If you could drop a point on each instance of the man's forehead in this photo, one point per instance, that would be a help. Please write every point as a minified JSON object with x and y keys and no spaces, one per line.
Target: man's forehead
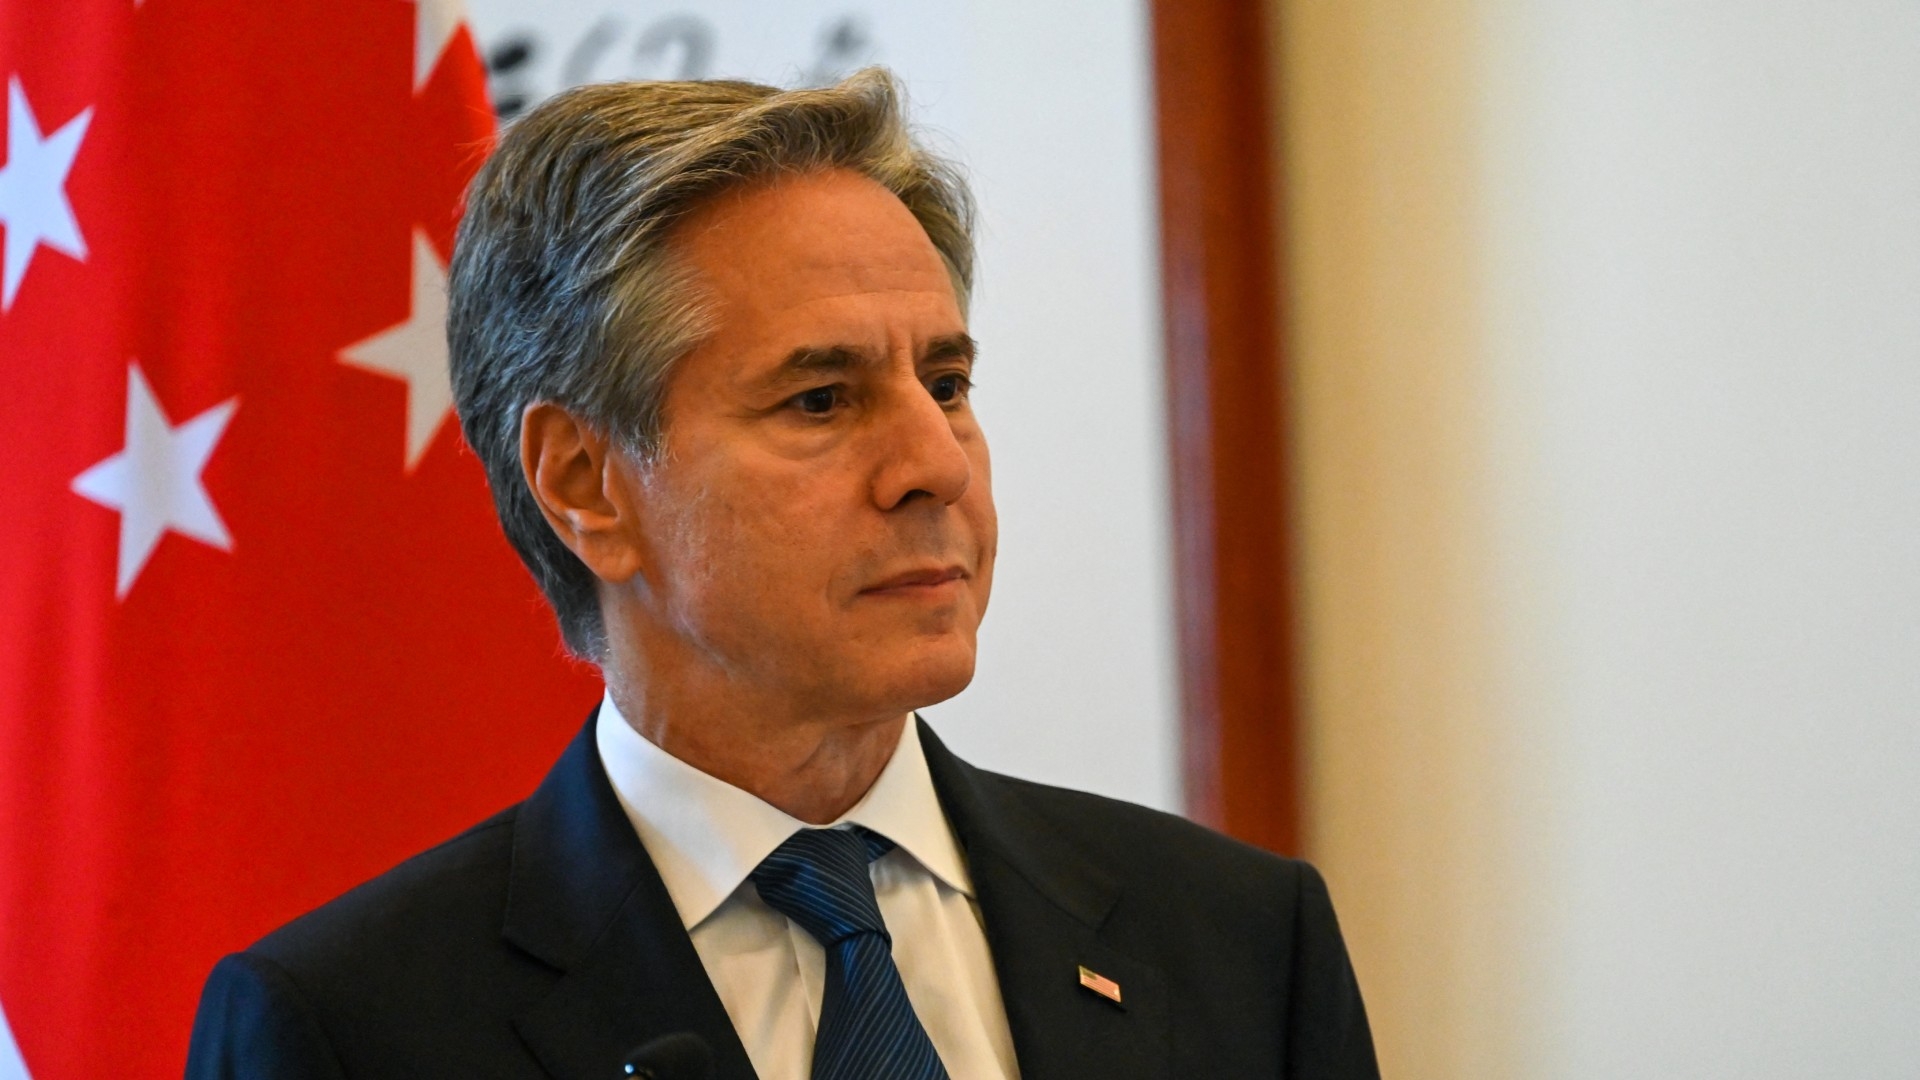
{"x":834,"y":231}
{"x":816,"y":272}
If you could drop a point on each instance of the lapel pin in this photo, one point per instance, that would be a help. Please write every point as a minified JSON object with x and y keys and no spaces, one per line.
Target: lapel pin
{"x":1100,"y":984}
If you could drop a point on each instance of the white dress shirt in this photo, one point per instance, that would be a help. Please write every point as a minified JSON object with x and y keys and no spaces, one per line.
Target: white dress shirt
{"x":705,"y":836}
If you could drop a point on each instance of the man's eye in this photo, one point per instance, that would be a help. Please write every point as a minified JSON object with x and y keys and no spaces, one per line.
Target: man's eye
{"x":948,"y":389}
{"x":818,"y":401}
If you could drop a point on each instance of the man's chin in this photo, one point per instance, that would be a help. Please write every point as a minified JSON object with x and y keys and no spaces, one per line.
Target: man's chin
{"x":932,"y":677}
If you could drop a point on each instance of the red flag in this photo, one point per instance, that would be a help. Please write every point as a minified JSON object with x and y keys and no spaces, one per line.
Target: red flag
{"x":260,"y":637}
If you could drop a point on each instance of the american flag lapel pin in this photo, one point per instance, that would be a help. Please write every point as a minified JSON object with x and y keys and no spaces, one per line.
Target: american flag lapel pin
{"x":1100,"y":984}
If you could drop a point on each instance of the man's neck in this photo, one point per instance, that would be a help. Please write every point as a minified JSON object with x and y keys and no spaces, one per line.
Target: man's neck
{"x":814,"y":769}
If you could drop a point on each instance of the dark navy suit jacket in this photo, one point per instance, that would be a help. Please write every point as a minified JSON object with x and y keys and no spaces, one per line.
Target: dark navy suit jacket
{"x":541,"y":943}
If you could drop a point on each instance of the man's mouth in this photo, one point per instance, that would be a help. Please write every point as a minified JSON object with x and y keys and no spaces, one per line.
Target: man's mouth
{"x":929,"y":577}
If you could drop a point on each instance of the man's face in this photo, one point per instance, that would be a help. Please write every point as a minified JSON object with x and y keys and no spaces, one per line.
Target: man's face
{"x":821,"y":524}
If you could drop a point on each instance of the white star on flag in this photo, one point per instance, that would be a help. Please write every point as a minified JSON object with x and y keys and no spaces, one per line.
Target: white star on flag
{"x":415,"y":351}
{"x":33,"y":199}
{"x":434,"y":22}
{"x":154,"y":481}
{"x":11,"y":1067}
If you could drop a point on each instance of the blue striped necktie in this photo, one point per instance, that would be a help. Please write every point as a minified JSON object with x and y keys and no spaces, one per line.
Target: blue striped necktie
{"x":868,"y":1030}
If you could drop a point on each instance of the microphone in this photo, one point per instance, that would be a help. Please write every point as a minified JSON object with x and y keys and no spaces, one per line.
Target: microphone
{"x":679,"y":1056}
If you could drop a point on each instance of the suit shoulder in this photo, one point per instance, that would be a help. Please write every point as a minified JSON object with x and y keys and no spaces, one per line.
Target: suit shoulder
{"x":1138,"y":841}
{"x":408,"y":975}
{"x":1241,"y":943}
{"x":460,"y":883}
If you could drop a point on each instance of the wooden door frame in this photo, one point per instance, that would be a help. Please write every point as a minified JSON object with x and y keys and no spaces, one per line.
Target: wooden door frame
{"x":1233,"y":569}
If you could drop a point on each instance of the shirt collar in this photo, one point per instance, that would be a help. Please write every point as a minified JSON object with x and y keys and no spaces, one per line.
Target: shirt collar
{"x":705,"y":835}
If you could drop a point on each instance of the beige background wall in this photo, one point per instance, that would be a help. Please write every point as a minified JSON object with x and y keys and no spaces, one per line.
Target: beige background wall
{"x":1606,"y":366}
{"x":1417,"y":789}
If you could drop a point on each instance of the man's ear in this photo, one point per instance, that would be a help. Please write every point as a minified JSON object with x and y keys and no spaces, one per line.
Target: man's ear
{"x":572,"y":469}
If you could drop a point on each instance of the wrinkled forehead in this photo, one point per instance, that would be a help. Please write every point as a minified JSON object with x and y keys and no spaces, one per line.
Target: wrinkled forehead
{"x":798,"y":239}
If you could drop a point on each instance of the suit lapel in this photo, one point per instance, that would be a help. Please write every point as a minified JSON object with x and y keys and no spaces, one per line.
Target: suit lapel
{"x":1044,"y":906}
{"x":585,"y":898}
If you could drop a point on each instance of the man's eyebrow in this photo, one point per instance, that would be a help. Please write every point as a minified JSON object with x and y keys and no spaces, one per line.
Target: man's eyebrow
{"x":950,"y":347}
{"x":809,"y":361}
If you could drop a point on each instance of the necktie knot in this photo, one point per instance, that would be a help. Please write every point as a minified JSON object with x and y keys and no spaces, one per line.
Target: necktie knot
{"x":819,"y":879}
{"x":867,"y":1029}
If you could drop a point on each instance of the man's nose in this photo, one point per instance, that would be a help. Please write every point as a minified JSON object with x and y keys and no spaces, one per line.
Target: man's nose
{"x":917,"y":453}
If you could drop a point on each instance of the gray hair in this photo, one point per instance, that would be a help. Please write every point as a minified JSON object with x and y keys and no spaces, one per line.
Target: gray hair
{"x":565,"y":289}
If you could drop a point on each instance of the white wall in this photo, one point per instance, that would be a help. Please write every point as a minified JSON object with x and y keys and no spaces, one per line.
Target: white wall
{"x":1047,"y":105}
{"x":1612,"y":325}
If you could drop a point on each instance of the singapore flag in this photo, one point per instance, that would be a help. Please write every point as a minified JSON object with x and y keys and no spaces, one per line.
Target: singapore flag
{"x":260,"y":637}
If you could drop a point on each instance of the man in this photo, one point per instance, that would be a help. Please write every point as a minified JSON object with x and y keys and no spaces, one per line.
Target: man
{"x":710,"y":341}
